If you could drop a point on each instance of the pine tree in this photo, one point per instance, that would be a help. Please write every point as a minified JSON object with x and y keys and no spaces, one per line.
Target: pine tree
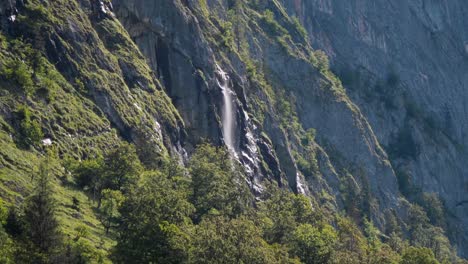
{"x":40,"y":215}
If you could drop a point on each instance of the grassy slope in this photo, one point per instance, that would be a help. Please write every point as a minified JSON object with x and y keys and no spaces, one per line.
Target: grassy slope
{"x":95,"y":57}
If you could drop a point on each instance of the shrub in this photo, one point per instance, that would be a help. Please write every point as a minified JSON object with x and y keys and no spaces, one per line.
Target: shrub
{"x":414,"y":255}
{"x":20,"y":73}
{"x":302,"y":31}
{"x":322,"y":60}
{"x":30,"y":132}
{"x":272,"y":25}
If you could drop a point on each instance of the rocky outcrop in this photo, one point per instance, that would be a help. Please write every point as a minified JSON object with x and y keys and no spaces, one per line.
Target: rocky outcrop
{"x":173,"y":36}
{"x":373,"y":133}
{"x":404,"y":63}
{"x":159,"y":73}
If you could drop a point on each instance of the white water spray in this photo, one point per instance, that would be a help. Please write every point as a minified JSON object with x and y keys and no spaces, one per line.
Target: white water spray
{"x":228,"y":113}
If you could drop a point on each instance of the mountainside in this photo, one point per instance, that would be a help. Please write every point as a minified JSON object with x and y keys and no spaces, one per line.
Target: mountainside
{"x":358,"y":106}
{"x":404,"y":64}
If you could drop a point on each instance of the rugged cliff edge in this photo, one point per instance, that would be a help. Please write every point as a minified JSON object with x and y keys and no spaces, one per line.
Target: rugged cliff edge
{"x":372,"y":131}
{"x":408,"y":81}
{"x":404,"y":64}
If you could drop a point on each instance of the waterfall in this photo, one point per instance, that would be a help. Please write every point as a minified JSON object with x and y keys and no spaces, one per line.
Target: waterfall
{"x":228,"y":112}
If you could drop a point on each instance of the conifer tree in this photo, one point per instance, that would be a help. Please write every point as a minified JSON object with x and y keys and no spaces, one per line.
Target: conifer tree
{"x":40,"y":215}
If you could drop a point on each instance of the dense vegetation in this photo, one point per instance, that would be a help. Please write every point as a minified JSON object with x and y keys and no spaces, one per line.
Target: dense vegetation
{"x":203,"y":214}
{"x":92,"y":197}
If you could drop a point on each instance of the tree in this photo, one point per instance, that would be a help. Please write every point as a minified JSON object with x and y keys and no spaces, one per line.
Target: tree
{"x":42,"y":225}
{"x":88,"y":175}
{"x":216,"y":183}
{"x":6,"y":244}
{"x":218,"y":239}
{"x":121,"y":167}
{"x":351,"y":244}
{"x":418,"y":255}
{"x":109,"y":210}
{"x":384,"y":255}
{"x":312,"y":245}
{"x":286,"y":211}
{"x":153,"y":221}
{"x":118,"y":170}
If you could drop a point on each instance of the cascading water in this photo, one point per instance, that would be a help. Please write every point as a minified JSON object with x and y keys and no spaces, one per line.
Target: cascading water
{"x":242,"y":149}
{"x":228,"y":113}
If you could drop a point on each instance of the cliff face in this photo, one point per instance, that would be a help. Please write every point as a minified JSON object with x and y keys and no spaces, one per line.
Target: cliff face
{"x":182,"y":44}
{"x":404,"y":76}
{"x":404,"y":63}
{"x":384,"y":125}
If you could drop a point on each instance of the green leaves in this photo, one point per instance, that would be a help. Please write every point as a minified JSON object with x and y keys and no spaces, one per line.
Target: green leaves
{"x":219,"y":239}
{"x":414,"y":255}
{"x":313,"y":245}
{"x":217,"y":183}
{"x":109,"y":210}
{"x":152,"y":222}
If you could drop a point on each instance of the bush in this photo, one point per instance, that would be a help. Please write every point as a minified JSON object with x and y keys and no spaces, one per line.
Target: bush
{"x":415,"y":255}
{"x":272,"y":25}
{"x":322,"y":61}
{"x":302,"y":31}
{"x":434,"y":208}
{"x":29,"y":132}
{"x":20,"y":73}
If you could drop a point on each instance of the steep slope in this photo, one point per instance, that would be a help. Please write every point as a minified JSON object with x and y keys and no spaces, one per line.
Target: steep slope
{"x":287,"y":91}
{"x":281,"y":94}
{"x":79,"y":77}
{"x":71,"y":77}
{"x":405,"y":63}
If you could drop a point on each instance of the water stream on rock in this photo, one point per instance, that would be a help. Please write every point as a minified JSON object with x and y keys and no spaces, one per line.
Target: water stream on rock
{"x":228,"y":112}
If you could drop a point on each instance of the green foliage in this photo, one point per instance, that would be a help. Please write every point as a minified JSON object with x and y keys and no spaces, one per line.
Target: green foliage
{"x":20,"y":73}
{"x":152,"y":220}
{"x":35,"y":22}
{"x":204,"y":7}
{"x":216,"y":183}
{"x":220,"y":240}
{"x":88,"y":174}
{"x":286,"y":109}
{"x":6,"y":245}
{"x":302,"y":31}
{"x":307,"y":160}
{"x":3,"y":212}
{"x":312,"y":245}
{"x":321,"y":60}
{"x":118,"y":170}
{"x":109,"y":210}
{"x":121,"y":167}
{"x":82,"y":251}
{"x":414,"y":255}
{"x":434,"y":208}
{"x":272,"y":25}
{"x":351,"y":245}
{"x":227,"y":34}
{"x":29,"y":131}
{"x":40,"y":216}
{"x":285,"y":212}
